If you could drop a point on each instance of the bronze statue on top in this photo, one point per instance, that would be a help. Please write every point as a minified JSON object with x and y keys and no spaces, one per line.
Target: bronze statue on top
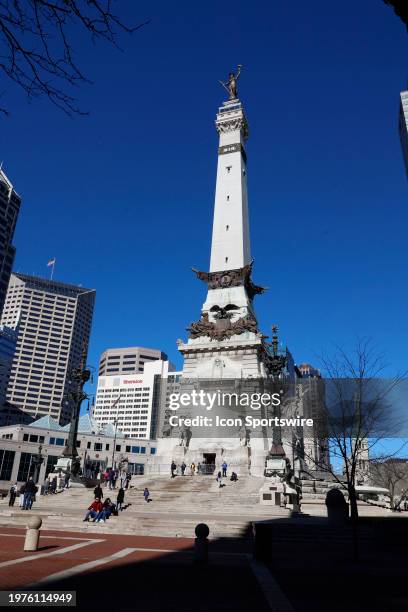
{"x":231,"y":85}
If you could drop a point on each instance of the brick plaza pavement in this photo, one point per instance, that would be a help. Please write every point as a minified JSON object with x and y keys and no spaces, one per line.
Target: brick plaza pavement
{"x":128,"y":572}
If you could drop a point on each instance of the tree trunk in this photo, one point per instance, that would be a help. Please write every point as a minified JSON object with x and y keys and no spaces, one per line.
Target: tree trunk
{"x":354,"y":519}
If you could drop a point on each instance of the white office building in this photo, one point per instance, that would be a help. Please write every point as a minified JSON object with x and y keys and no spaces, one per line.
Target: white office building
{"x":134,"y":403}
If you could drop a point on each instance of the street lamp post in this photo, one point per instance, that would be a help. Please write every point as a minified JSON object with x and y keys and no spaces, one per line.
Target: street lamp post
{"x":114,"y":443}
{"x":115,"y":403}
{"x":37,"y":460}
{"x":79,"y":376}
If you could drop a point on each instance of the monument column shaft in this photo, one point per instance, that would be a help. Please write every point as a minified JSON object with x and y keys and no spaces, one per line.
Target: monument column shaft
{"x":230,"y":247}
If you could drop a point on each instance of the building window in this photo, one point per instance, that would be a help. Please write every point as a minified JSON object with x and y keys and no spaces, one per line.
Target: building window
{"x":136,"y":449}
{"x":128,"y":449}
{"x":97,"y":446}
{"x":26,"y":467}
{"x":152,"y":451}
{"x":6,"y":464}
{"x":88,"y":445}
{"x":143,"y":450}
{"x":57,"y":441}
{"x":118,"y":448}
{"x":106,"y":446}
{"x":51,"y":463}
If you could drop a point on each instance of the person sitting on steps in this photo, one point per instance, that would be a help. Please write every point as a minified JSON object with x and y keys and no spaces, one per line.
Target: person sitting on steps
{"x":94,"y":509}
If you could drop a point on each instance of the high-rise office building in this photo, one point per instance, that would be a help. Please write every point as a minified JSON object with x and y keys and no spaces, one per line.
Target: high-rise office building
{"x":127,"y":360}
{"x":8,"y":341}
{"x":53,"y":323}
{"x":403,"y":126}
{"x":9,"y":207}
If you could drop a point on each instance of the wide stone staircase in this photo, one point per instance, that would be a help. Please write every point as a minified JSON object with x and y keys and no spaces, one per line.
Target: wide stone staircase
{"x":177,"y":506}
{"x":315,"y":491}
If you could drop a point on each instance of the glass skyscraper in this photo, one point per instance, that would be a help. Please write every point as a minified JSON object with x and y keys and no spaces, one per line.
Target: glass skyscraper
{"x":403,"y":126}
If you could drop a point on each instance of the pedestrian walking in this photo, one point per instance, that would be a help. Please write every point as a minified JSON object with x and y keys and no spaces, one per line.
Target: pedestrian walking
{"x":173,"y":469}
{"x":115,"y":477}
{"x":12,"y":494}
{"x":146,"y":494}
{"x":21,"y":498}
{"x":192,"y":468}
{"x":128,"y":479}
{"x":224,"y":469}
{"x":183,"y":468}
{"x":111,"y":479}
{"x":66,"y":480}
{"x":219,"y":479}
{"x":29,"y":493}
{"x":53,"y":486}
{"x":98,"y":492}
{"x":120,"y":500}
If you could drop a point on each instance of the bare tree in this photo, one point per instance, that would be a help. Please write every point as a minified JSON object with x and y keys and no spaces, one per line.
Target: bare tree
{"x":356,"y":414}
{"x":392,"y":474}
{"x":37,"y":44}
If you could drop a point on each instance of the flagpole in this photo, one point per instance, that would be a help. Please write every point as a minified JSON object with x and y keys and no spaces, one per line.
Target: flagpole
{"x":52,"y":269}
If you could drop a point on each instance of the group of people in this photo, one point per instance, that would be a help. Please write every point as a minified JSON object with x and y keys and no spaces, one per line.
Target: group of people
{"x":176,"y":470}
{"x":223,"y":474}
{"x":108,"y":507}
{"x":91,"y":469}
{"x":111,"y":476}
{"x":27,"y":494}
{"x":100,"y":511}
{"x":181,"y":470}
{"x":50,"y":485}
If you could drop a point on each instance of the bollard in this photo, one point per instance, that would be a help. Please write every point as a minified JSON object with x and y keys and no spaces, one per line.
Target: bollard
{"x":201,"y":544}
{"x":337,"y":508}
{"x":33,"y":533}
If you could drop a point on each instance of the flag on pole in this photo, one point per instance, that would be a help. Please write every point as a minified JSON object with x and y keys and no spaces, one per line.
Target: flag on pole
{"x":51,"y":264}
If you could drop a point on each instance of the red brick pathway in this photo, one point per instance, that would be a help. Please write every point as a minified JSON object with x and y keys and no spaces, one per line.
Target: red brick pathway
{"x":156,"y":578}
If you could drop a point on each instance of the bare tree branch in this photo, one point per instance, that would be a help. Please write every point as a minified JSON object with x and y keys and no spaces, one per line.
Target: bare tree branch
{"x":37,"y":44}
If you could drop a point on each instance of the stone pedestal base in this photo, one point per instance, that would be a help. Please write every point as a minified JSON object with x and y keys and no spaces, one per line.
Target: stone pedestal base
{"x":239,"y":458}
{"x":271,"y":494}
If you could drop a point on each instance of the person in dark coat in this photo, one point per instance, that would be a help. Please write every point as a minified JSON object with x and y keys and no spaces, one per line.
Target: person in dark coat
{"x":29,"y":493}
{"x":98,"y":492}
{"x":12,"y":494}
{"x":120,"y":500}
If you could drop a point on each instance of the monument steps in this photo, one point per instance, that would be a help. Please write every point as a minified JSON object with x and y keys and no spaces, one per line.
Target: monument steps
{"x":177,"y":506}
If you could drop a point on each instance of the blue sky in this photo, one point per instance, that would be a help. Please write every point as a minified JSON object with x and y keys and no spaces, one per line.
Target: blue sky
{"x":123,"y":198}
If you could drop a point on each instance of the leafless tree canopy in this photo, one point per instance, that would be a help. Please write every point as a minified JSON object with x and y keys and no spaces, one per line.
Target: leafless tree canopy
{"x":357,"y":412}
{"x":392,"y":474}
{"x":37,"y":44}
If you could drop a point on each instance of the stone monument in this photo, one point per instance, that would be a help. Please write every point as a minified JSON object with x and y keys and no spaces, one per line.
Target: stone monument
{"x":225,"y":343}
